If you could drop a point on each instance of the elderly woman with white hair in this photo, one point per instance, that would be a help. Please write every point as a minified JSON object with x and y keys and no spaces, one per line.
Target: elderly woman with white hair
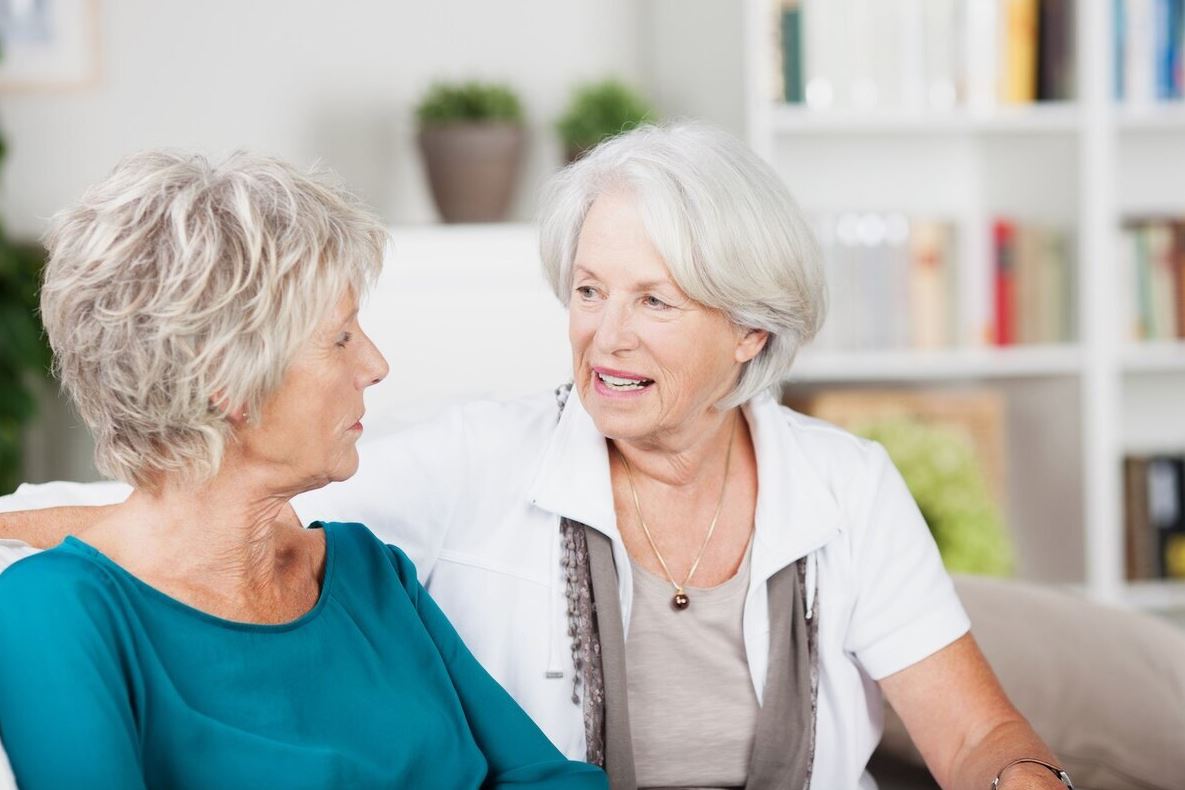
{"x":205,"y":320}
{"x":677,"y":577}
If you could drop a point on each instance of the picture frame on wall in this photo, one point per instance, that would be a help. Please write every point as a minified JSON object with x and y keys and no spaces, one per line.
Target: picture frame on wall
{"x":48,"y":44}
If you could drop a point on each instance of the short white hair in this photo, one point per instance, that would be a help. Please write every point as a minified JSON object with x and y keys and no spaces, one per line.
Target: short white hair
{"x":177,"y":290}
{"x":730,"y":233}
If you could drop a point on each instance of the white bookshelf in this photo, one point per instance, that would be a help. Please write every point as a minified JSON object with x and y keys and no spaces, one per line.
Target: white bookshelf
{"x":1074,"y":410}
{"x":1059,"y":118}
{"x":937,"y":366}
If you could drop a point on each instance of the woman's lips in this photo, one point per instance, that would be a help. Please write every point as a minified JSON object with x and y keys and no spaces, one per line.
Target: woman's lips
{"x":626,"y":392}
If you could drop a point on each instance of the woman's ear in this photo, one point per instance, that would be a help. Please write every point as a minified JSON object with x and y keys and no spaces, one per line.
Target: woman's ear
{"x":235,"y":416}
{"x":750,"y":344}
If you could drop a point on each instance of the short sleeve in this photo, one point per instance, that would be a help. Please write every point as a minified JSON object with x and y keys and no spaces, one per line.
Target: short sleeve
{"x":405,"y":489}
{"x":66,"y":711}
{"x":905,"y":607}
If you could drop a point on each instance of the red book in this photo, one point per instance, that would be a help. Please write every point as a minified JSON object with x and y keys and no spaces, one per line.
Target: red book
{"x":1004,"y":236}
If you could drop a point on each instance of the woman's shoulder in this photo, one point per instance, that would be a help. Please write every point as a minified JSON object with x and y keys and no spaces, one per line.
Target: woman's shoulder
{"x":356,"y":547}
{"x":62,"y":568}
{"x":62,"y":585}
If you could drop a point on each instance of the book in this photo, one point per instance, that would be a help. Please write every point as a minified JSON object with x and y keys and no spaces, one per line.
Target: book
{"x":1004,"y":233}
{"x":1179,"y":275}
{"x":982,"y":19}
{"x":1140,"y":549}
{"x":943,"y":47}
{"x":931,"y":285}
{"x":791,"y":50}
{"x":1055,"y":50}
{"x":1166,"y":512}
{"x":1162,"y":266}
{"x":1018,"y":76}
{"x":1139,"y":48}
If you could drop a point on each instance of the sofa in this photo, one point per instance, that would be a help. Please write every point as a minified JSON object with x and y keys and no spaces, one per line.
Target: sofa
{"x":1104,"y":686}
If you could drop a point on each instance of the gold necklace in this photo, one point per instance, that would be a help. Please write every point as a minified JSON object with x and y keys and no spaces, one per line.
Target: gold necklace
{"x":680,"y":600}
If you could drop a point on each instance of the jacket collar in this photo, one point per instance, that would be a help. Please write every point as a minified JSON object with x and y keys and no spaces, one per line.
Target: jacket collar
{"x":796,"y":511}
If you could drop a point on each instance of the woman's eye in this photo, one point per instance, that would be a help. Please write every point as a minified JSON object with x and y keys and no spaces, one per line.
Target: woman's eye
{"x":585,"y":292}
{"x":344,"y":339}
{"x":655,"y":302}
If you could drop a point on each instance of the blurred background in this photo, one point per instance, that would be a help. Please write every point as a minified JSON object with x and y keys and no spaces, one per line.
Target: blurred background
{"x":998,"y":188}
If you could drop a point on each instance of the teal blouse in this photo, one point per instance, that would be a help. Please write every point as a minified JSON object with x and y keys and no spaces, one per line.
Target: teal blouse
{"x":105,"y":682}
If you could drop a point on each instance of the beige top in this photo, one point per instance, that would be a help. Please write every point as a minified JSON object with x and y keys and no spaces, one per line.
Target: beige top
{"x":692,"y":709}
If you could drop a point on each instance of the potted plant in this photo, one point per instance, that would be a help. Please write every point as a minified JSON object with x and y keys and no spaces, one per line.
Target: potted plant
{"x":599,"y":110}
{"x":944,"y":476}
{"x":471,"y":135}
{"x":24,"y":354}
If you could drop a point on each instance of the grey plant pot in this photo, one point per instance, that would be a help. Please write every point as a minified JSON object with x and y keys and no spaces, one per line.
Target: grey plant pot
{"x":472,"y":168}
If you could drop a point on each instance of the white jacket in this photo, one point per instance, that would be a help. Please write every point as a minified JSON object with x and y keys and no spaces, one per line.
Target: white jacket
{"x":475,"y":497}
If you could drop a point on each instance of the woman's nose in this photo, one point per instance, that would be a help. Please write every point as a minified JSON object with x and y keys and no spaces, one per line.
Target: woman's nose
{"x":376,"y":365}
{"x":615,"y":332}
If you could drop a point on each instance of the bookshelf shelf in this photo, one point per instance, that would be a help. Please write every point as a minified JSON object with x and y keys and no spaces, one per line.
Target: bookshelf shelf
{"x":1046,"y":118}
{"x":943,"y":365}
{"x":1162,"y":357}
{"x":1157,"y":117}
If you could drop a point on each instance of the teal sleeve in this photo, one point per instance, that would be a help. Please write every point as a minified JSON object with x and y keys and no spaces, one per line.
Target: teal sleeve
{"x":66,"y":711}
{"x":518,"y":753}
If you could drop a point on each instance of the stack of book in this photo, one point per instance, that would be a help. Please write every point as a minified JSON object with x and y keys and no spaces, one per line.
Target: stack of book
{"x":1153,"y":261}
{"x":923,"y":54}
{"x":1149,"y":37}
{"x":1033,"y":293}
{"x":891,"y":280}
{"x":1154,"y":524}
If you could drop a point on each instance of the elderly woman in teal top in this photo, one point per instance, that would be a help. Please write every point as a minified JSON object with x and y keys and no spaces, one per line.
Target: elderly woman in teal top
{"x":205,"y":320}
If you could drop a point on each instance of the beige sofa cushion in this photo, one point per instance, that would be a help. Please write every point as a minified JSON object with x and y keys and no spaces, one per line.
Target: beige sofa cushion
{"x":1104,"y":687}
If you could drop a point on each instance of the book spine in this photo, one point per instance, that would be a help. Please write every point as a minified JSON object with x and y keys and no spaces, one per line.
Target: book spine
{"x":982,"y":34}
{"x":1019,"y":80}
{"x":1164,"y":46}
{"x":1004,"y":235}
{"x":1162,"y":265}
{"x":1178,"y":273}
{"x":1140,"y":550}
{"x":1054,"y":47}
{"x":926,"y":287}
{"x":1119,"y":66}
{"x":1129,"y":281}
{"x":792,"y":52}
{"x":1139,"y":52}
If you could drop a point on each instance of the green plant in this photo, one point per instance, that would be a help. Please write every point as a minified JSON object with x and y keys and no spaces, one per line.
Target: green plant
{"x":472,"y":102}
{"x":942,"y":472}
{"x":600,"y":110}
{"x":24,"y":354}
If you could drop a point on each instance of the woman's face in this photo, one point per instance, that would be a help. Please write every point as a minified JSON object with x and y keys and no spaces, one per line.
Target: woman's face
{"x":647,"y":360}
{"x":311,"y":424}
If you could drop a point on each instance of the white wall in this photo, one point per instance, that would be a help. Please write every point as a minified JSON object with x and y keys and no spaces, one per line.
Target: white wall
{"x":304,"y":79}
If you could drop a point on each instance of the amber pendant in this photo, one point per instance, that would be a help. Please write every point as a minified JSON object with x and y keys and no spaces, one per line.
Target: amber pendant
{"x":680,"y":601}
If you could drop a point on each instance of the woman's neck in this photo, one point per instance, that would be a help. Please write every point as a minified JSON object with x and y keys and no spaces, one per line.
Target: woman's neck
{"x":232,"y":536}
{"x":691,"y":457}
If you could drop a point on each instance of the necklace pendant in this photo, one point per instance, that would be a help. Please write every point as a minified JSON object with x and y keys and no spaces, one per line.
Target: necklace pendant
{"x":680,"y":601}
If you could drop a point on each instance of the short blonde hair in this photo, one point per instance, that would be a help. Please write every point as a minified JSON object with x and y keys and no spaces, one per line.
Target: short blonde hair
{"x":724,"y":223}
{"x":176,"y":290}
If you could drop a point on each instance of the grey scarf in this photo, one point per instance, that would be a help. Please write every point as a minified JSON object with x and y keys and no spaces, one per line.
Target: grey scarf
{"x":784,"y":744}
